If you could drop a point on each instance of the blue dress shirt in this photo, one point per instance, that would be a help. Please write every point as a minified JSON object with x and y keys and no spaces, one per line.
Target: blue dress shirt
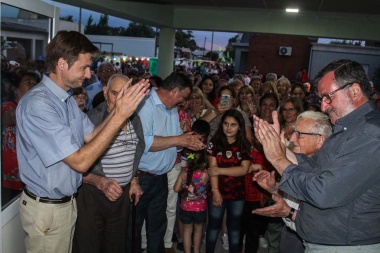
{"x":50,"y":127}
{"x":158,"y":121}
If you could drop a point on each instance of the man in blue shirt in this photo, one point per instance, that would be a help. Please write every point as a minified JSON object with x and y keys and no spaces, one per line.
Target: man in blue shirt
{"x":56,"y":142}
{"x":338,"y":187}
{"x":163,"y":136}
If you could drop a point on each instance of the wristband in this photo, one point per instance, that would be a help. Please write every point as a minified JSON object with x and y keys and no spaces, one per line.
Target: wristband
{"x":216,"y":188}
{"x":291,"y":213}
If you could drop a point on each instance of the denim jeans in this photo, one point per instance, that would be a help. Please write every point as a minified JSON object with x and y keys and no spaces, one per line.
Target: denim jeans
{"x":215,"y":218}
{"x":152,"y":209}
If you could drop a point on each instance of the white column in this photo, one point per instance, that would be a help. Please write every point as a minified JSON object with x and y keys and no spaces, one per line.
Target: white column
{"x":166,"y":52}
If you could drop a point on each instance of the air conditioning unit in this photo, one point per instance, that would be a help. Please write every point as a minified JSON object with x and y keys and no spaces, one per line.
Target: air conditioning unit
{"x":287,"y":51}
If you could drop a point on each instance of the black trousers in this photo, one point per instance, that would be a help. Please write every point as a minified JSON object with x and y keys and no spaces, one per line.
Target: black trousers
{"x":290,"y":241}
{"x":152,"y":209}
{"x":252,"y":226}
{"x":102,"y":224}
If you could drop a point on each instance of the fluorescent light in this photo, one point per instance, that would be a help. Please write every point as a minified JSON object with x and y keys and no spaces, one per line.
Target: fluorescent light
{"x":291,"y":10}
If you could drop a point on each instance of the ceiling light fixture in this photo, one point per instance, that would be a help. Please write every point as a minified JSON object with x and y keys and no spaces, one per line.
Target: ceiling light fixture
{"x":291,"y":10}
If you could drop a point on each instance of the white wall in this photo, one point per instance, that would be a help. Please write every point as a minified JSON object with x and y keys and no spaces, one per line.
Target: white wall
{"x":12,"y":233}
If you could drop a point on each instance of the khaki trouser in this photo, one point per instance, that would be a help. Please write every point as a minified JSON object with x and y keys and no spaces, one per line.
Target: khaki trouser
{"x":49,"y":227}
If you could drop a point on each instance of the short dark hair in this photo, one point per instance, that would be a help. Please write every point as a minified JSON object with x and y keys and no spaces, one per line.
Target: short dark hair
{"x":176,"y":80}
{"x":298,"y":85}
{"x":347,"y":71}
{"x":201,"y":127}
{"x":233,"y":93}
{"x":157,"y":79}
{"x":68,"y":45}
{"x":269,"y":95}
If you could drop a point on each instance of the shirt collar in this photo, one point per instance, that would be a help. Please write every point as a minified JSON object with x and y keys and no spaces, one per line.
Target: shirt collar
{"x":58,"y":91}
{"x":155,"y":97}
{"x":351,"y":118}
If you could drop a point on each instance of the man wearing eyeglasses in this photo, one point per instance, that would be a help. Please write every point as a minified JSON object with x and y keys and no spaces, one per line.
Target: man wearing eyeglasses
{"x":338,"y":186}
{"x":310,"y":131}
{"x":106,"y":70}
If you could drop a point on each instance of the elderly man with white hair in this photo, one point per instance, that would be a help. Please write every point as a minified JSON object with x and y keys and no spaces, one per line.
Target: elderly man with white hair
{"x":309,"y":133}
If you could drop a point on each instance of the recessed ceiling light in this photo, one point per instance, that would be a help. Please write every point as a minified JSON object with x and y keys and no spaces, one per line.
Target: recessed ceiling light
{"x":291,"y":10}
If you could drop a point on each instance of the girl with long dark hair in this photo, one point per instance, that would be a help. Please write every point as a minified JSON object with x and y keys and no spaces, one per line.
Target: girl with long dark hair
{"x":229,"y":161}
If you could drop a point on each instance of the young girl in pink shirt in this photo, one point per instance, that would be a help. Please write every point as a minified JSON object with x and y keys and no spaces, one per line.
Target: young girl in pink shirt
{"x":192,"y":181}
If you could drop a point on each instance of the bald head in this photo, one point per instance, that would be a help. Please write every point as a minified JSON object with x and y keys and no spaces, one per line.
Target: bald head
{"x":111,"y":91}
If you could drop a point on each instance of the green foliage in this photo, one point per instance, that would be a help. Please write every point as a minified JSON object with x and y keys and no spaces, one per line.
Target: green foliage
{"x":134,"y":29}
{"x":230,"y":50}
{"x":213,"y":56}
{"x":89,"y":21}
{"x":67,"y":18}
{"x":185,"y":40}
{"x":100,"y":28}
{"x":138,"y":30}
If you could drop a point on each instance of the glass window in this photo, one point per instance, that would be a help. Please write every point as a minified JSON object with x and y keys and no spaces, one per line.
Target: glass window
{"x":24,"y":35}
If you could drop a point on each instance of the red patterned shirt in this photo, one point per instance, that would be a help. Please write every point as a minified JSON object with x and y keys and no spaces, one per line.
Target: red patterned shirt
{"x":252,"y":189}
{"x":231,"y":188}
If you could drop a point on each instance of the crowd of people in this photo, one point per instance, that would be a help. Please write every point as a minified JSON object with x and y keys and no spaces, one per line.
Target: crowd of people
{"x":115,"y":160}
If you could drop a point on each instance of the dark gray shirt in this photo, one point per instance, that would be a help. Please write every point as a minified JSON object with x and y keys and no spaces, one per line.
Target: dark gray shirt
{"x":339,"y":187}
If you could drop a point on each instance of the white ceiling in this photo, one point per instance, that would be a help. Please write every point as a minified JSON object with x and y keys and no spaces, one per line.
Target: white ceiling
{"x":349,"y":19}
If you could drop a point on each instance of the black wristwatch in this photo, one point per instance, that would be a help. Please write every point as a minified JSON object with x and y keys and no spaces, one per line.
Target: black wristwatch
{"x":290,"y":215}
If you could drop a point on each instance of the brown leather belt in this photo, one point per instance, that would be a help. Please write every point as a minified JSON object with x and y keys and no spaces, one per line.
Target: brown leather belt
{"x":146,"y":173}
{"x":48,"y":200}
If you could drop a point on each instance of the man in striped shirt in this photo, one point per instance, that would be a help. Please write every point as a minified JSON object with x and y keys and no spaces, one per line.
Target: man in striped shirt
{"x":103,"y":199}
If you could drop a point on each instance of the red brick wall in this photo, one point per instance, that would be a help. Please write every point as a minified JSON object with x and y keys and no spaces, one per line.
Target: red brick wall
{"x":264,"y":54}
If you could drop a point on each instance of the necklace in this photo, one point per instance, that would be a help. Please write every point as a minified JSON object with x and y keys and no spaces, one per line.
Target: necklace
{"x":128,"y":129}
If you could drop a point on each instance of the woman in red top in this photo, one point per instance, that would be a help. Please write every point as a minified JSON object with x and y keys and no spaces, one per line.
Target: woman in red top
{"x":252,"y":225}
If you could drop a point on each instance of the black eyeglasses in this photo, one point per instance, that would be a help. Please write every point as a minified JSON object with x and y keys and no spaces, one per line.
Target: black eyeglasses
{"x":298,"y":133}
{"x":327,"y":98}
{"x":107,"y":71}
